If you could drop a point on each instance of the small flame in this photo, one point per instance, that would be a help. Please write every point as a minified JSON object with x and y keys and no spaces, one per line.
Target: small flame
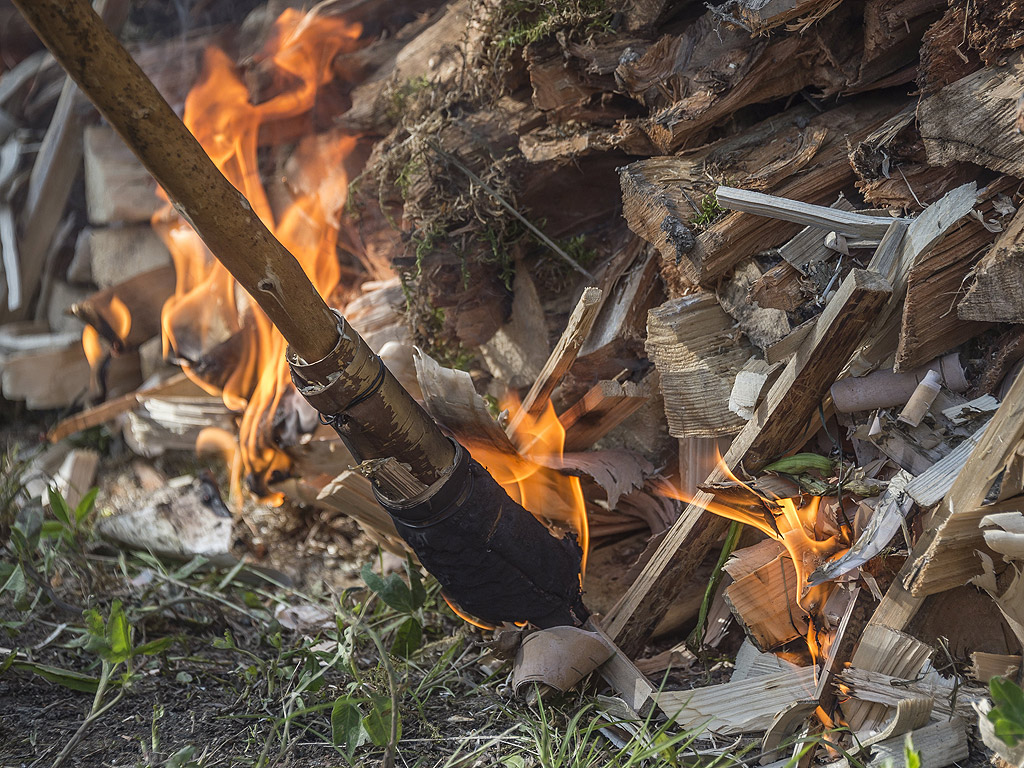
{"x":796,"y":524}
{"x":208,"y":311}
{"x":120,"y":318}
{"x":92,"y":346}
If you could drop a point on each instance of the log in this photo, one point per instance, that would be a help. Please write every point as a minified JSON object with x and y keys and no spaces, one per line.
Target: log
{"x":776,"y":425}
{"x":972,"y":120}
{"x":695,"y":348}
{"x":996,"y":293}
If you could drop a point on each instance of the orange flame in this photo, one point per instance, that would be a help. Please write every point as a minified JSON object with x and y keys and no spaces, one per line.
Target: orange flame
{"x":120,"y":318}
{"x":798,"y":527}
{"x":208,"y":309}
{"x":531,"y":476}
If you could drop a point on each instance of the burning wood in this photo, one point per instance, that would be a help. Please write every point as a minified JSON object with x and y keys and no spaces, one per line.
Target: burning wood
{"x":337,"y":160}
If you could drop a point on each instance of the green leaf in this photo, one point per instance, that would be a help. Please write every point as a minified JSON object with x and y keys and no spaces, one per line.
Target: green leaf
{"x":76,"y":681}
{"x":52,"y":529}
{"x":15,"y":583}
{"x":86,"y":505}
{"x":393,"y":591}
{"x":408,"y":638}
{"x":911,"y":757}
{"x":1008,"y":713}
{"x":59,"y":506}
{"x":181,"y":758}
{"x":346,"y":724}
{"x":377,"y":722}
{"x":154,"y":647}
{"x":118,"y":635}
{"x":799,"y":463}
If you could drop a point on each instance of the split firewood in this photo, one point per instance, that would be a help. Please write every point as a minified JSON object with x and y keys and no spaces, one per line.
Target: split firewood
{"x":870,"y":228}
{"x":973,"y":120}
{"x":664,"y":198}
{"x":776,"y":425}
{"x":781,"y":287}
{"x":744,"y":71}
{"x":763,"y":601}
{"x":985,"y":666}
{"x":128,"y":314}
{"x":518,"y":350}
{"x":698,"y":353}
{"x":762,"y":325}
{"x":898,"y":252}
{"x":941,"y":273}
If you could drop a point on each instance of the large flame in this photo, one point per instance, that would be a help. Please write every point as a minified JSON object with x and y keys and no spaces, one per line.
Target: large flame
{"x":796,"y":524}
{"x":208,"y":310}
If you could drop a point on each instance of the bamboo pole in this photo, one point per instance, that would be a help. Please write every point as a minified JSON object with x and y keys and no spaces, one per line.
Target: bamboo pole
{"x":379,"y":419}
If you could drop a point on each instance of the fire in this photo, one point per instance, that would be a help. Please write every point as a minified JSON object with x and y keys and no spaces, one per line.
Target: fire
{"x":797,"y":525}
{"x":208,"y":310}
{"x":531,"y":476}
{"x":118,"y":318}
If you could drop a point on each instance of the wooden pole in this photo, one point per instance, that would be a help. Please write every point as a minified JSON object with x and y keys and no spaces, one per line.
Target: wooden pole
{"x":380,"y":418}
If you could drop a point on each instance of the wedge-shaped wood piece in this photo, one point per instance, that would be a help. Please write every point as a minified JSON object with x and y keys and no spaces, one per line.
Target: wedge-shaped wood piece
{"x":117,"y":187}
{"x":973,"y":120}
{"x":747,"y":706}
{"x":142,"y":296}
{"x":775,"y":429}
{"x":693,"y":344}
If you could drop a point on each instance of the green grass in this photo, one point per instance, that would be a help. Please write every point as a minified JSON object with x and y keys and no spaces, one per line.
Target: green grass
{"x":191,"y":665}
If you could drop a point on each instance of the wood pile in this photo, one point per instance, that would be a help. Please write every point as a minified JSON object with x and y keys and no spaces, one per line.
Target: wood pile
{"x":787,"y":231}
